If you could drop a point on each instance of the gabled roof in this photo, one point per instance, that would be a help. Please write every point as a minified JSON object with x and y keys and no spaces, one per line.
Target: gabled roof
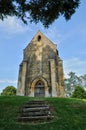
{"x":39,"y":33}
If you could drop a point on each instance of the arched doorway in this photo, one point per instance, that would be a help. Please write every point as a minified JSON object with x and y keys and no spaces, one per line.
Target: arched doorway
{"x":39,"y":90}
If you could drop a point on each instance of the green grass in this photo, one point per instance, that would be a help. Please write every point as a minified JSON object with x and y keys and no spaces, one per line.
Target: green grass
{"x":69,"y":114}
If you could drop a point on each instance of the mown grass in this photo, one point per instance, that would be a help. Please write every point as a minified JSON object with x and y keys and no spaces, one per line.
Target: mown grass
{"x":69,"y":114}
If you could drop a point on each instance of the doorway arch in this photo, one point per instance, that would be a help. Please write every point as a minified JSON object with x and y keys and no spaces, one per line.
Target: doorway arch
{"x":41,"y":85}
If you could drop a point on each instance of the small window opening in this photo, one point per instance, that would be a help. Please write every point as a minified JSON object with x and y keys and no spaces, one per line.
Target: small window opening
{"x":39,"y":38}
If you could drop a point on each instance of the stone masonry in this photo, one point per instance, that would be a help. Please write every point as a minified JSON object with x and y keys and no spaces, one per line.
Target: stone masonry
{"x":41,"y":71}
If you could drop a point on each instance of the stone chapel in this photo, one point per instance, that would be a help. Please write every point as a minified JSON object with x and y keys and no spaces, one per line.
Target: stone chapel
{"x":41,"y":71}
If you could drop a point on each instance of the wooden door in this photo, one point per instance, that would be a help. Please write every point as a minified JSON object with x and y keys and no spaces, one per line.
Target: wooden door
{"x":39,"y":89}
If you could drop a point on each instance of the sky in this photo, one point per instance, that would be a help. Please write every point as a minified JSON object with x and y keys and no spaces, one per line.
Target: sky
{"x":70,"y":37}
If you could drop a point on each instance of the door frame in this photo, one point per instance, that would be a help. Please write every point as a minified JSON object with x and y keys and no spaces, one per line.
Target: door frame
{"x":45,"y":86}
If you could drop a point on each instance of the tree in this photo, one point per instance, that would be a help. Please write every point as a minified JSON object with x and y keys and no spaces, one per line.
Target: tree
{"x":83,"y":80}
{"x":45,"y":11}
{"x":9,"y":90}
{"x":79,"y":92}
{"x":70,"y":82}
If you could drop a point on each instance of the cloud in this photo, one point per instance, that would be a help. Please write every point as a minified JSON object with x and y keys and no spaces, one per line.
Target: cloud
{"x":75,"y":65}
{"x":8,"y":81}
{"x":12,"y":25}
{"x":4,"y":83}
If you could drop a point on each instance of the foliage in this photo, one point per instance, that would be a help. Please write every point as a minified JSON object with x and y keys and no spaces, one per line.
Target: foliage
{"x":69,"y":114}
{"x":45,"y":11}
{"x":79,"y":92}
{"x":72,"y":81}
{"x":9,"y":90}
{"x":83,"y":80}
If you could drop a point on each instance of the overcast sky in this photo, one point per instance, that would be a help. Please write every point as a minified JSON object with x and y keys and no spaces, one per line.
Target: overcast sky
{"x":70,"y":38}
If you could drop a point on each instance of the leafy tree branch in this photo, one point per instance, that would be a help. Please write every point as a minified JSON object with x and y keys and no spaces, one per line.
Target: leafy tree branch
{"x":44,"y":11}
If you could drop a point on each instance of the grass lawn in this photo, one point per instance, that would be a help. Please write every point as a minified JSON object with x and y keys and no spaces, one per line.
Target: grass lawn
{"x":69,"y":114}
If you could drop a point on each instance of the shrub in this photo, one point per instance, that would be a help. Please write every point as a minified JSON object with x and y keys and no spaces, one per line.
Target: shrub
{"x":79,"y":92}
{"x":9,"y":90}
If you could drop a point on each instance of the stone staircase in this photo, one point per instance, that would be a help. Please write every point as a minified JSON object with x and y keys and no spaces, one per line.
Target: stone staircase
{"x":35,"y":111}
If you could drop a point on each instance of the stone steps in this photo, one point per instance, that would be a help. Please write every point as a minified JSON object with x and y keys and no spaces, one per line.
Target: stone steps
{"x":35,"y":118}
{"x":39,"y":113}
{"x":35,"y":111}
{"x":34,"y":105}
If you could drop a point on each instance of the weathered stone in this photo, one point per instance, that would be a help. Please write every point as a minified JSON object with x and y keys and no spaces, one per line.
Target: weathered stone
{"x":41,"y":71}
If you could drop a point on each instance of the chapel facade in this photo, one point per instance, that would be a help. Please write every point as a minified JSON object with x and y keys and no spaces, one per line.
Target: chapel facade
{"x":41,"y":70}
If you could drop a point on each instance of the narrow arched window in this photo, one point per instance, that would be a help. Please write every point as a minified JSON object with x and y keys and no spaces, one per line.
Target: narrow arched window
{"x":39,"y":38}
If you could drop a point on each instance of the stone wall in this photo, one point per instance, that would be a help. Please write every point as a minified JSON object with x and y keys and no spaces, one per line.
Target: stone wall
{"x":41,"y":61}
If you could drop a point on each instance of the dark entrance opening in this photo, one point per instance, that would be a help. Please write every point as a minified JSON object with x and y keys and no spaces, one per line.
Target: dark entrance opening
{"x":39,"y":90}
